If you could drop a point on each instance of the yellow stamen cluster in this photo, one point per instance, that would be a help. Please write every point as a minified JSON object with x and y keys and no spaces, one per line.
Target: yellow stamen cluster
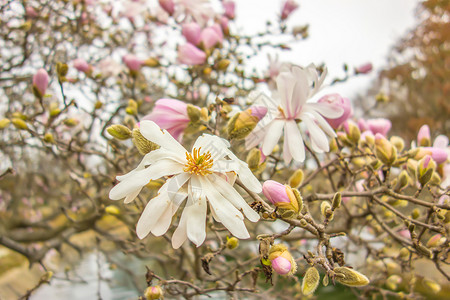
{"x":198,"y":164}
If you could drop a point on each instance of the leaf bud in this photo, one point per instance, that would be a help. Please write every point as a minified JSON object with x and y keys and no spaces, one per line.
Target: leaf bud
{"x":310,"y":281}
{"x":397,"y":142}
{"x":153,"y":293}
{"x":19,"y":123}
{"x":337,"y":198}
{"x":253,"y":158}
{"x":143,"y":145}
{"x":48,"y":138}
{"x":71,"y":122}
{"x":193,"y":113}
{"x":120,"y":132}
{"x":385,"y":151}
{"x":351,"y":277}
{"x":296,"y":178}
{"x":4,"y":123}
{"x":232,"y":243}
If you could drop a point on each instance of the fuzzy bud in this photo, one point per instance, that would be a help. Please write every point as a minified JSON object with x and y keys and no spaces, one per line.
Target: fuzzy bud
{"x":350,"y":277}
{"x":120,"y":132}
{"x":48,"y":138}
{"x":296,"y":178}
{"x":19,"y":123}
{"x":385,"y":151}
{"x":353,"y":132}
{"x":71,"y":122}
{"x":4,"y":123}
{"x":337,"y":198}
{"x":253,"y":158}
{"x":242,"y":123}
{"x":431,"y":285}
{"x":112,"y":210}
{"x":143,"y":145}
{"x":282,"y":196}
{"x":397,"y":142}
{"x":325,"y":209}
{"x":425,"y":169}
{"x":281,"y":260}
{"x":61,"y":69}
{"x":153,"y":293}
{"x":232,"y":243}
{"x":310,"y":281}
{"x":436,"y":241}
{"x":423,"y":136}
{"x":193,"y":113}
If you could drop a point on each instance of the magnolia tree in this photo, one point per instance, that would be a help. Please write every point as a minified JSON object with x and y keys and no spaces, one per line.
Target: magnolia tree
{"x":238,"y":183}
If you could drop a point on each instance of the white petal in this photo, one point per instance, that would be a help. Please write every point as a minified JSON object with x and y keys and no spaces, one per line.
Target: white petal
{"x":130,"y":197}
{"x":285,"y":86}
{"x":180,"y":234}
{"x":255,"y":137}
{"x":441,"y":141}
{"x":287,"y":156}
{"x":299,"y":94}
{"x":234,"y":197}
{"x":152,"y":213}
{"x":196,"y":213}
{"x":325,"y":109}
{"x":295,"y":141}
{"x":323,"y":123}
{"x":246,"y":175}
{"x":163,"y":223}
{"x":318,"y":138}
{"x":159,"y":136}
{"x":228,"y":215}
{"x":140,"y":178}
{"x":272,"y":136}
{"x":217,"y":147}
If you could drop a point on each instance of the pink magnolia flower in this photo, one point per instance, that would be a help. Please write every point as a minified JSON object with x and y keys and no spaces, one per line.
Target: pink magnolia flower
{"x":224,"y":25}
{"x":337,"y":100}
{"x":192,"y":31}
{"x":168,"y":6}
{"x":364,"y":69}
{"x":170,"y":114}
{"x":190,"y":55}
{"x":380,"y":125}
{"x":40,"y":81}
{"x":290,"y":109}
{"x":288,"y":7}
{"x":211,"y":36}
{"x":199,"y":11}
{"x":229,"y":7}
{"x":82,"y":66}
{"x":132,"y":62}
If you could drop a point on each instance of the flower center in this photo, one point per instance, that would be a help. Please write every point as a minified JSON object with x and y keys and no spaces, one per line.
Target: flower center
{"x":198,"y":164}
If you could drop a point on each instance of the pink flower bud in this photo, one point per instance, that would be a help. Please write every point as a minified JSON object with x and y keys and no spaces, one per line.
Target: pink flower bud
{"x":380,"y":125}
{"x":229,"y":7}
{"x":210,"y":37}
{"x":170,"y":114}
{"x":190,"y":55}
{"x":132,"y":62}
{"x":275,"y":192}
{"x":224,"y":25}
{"x":362,"y":124}
{"x":192,"y":32}
{"x":423,"y":137}
{"x":439,"y":155}
{"x":258,"y":111}
{"x":30,"y":12}
{"x":168,"y":6}
{"x":82,"y":66}
{"x":364,"y":69}
{"x":288,"y":7}
{"x":337,"y":100}
{"x":281,"y":265}
{"x":40,"y":81}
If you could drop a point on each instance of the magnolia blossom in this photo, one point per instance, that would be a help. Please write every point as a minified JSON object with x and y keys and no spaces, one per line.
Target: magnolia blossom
{"x":168,"y":6}
{"x":364,"y":69}
{"x":204,"y":175}
{"x":199,"y":11}
{"x":190,"y":55}
{"x":82,"y":65}
{"x":192,"y":31}
{"x":211,"y":36}
{"x":337,"y":100}
{"x":170,"y":114}
{"x":132,"y":62}
{"x":288,"y":7}
{"x":380,"y":125}
{"x":289,"y":108}
{"x":229,"y":7}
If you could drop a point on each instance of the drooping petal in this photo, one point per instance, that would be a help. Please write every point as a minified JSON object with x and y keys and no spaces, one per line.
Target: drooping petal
{"x":180,"y":234}
{"x":272,"y":136}
{"x":229,"y":193}
{"x":130,"y":197}
{"x":154,"y":210}
{"x":295,"y":141}
{"x":228,"y":215}
{"x":326,"y":110}
{"x":318,"y":138}
{"x":196,"y":212}
{"x":246,"y":175}
{"x":323,"y":123}
{"x":159,"y":136}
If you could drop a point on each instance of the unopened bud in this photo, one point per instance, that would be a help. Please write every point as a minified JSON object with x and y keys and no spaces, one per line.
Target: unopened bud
{"x":436,"y":241}
{"x":337,"y":198}
{"x":393,"y":281}
{"x":397,"y":142}
{"x":351,"y":277}
{"x":415,"y":214}
{"x":48,"y":138}
{"x":310,"y":281}
{"x":325,"y":209}
{"x":281,"y":260}
{"x":143,"y":145}
{"x":411,"y":166}
{"x":423,"y":136}
{"x":232,"y":243}
{"x":431,"y":285}
{"x":385,"y":151}
{"x":112,"y":210}
{"x":282,"y":196}
{"x":4,"y":123}
{"x":425,"y":169}
{"x":223,"y":64}
{"x":382,"y":98}
{"x":403,"y":181}
{"x":98,"y":105}
{"x":151,"y":62}
{"x":194,"y":113}
{"x":120,"y":132}
{"x":253,"y":158}
{"x":153,"y":293}
{"x":19,"y":123}
{"x":353,"y":132}
{"x":61,"y":69}
{"x":296,"y":179}
{"x":71,"y":122}
{"x":242,"y":123}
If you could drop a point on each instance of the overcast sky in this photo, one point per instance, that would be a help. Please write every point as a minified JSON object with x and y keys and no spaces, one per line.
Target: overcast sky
{"x":341,"y":31}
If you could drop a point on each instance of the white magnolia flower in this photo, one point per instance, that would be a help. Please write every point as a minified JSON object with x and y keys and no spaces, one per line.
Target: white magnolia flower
{"x":199,"y":11}
{"x":289,"y":109}
{"x":205,"y":175}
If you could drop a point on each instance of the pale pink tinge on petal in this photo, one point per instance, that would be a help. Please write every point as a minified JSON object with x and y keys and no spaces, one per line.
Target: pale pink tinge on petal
{"x":190,"y":55}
